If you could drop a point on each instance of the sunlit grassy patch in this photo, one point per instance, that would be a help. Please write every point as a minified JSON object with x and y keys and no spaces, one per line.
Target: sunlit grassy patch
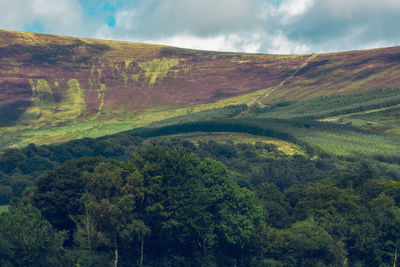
{"x":3,"y":208}
{"x":157,"y":69}
{"x":43,"y":106}
{"x":73,"y":102}
{"x":283,"y":146}
{"x":382,"y":119}
{"x":352,"y":144}
{"x":100,"y":96}
{"x":100,"y":125}
{"x":135,"y":77}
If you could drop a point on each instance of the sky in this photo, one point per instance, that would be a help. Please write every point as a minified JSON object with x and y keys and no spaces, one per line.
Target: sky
{"x":254,"y":26}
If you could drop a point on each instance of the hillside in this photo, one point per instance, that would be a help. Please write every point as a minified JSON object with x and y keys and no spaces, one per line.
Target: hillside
{"x":55,"y":88}
{"x":42,"y":74}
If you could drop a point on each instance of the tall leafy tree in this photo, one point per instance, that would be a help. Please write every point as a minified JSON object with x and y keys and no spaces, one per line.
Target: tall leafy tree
{"x":303,"y":244}
{"x":59,"y":192}
{"x":27,"y":239}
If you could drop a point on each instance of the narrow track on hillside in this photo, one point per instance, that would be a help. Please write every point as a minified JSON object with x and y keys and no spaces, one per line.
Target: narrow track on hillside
{"x":261,"y":99}
{"x":382,"y":123}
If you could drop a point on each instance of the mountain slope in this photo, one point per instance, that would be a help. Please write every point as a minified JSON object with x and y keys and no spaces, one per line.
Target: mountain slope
{"x":38,"y":71}
{"x":55,"y":88}
{"x":342,"y":73}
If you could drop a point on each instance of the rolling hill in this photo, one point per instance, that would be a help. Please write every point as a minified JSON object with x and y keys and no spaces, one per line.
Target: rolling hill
{"x":56,"y":88}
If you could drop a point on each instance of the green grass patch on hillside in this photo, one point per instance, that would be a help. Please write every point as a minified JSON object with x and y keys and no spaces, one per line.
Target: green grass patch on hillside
{"x":73,"y":102}
{"x":62,"y":130}
{"x":327,"y":106}
{"x":45,"y":111}
{"x":4,"y":208}
{"x":380,"y":120}
{"x":43,"y":106}
{"x":157,"y":69}
{"x":346,"y":143}
{"x":338,"y":140}
{"x":285,"y":147}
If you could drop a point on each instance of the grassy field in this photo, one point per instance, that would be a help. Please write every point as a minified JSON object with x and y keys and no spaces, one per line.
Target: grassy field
{"x":285,"y":147}
{"x":331,"y":138}
{"x":3,"y":208}
{"x":340,"y":106}
{"x":336,"y":139}
{"x":381,"y":120}
{"x":349,"y":143}
{"x":105,"y":124}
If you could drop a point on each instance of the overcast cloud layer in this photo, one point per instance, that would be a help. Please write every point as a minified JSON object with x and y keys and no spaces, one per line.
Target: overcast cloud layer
{"x":264,"y":26}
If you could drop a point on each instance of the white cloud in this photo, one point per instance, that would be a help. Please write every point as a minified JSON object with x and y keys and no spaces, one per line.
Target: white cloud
{"x":350,"y":9}
{"x":331,"y":25}
{"x":292,"y":8}
{"x":60,"y":13}
{"x":62,"y":16}
{"x":125,"y":19}
{"x":202,"y":17}
{"x":279,"y":44}
{"x":220,"y":42}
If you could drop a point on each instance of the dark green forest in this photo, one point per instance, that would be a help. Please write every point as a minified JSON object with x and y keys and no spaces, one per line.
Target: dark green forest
{"x":169,"y":207}
{"x":155,"y":197}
